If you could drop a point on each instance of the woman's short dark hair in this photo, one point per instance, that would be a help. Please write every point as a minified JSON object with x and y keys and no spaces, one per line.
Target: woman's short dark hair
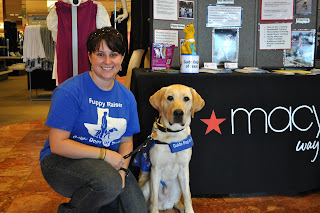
{"x":111,"y":36}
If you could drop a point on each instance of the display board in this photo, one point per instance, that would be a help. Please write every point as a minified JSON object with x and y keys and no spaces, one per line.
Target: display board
{"x":253,"y":12}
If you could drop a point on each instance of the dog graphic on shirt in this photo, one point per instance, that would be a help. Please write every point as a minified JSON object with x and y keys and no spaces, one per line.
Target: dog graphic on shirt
{"x":107,"y":129}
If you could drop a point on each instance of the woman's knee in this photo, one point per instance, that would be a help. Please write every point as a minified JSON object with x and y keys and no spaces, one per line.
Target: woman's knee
{"x":132,"y":199}
{"x":98,"y":175}
{"x":109,"y":182}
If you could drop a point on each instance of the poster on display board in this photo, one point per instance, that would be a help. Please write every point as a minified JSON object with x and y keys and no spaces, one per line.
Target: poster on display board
{"x":224,"y":16}
{"x":161,"y":56}
{"x":302,"y":52}
{"x":165,"y":10}
{"x":303,"y":7}
{"x":275,"y":36}
{"x":225,"y":45}
{"x":275,"y":10}
{"x":166,"y":37}
{"x":186,"y":9}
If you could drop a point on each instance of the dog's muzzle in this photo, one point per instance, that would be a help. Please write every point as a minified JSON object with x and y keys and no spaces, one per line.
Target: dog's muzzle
{"x":178,"y":116}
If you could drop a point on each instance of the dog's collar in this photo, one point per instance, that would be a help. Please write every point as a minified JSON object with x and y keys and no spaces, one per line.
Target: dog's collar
{"x":163,"y":128}
{"x":160,"y":142}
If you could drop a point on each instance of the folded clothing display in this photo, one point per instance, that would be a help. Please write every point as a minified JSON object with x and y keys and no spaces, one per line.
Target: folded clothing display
{"x":17,"y":66}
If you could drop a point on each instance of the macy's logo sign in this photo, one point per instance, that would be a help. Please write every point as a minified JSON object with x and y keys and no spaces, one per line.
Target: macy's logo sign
{"x":268,"y":125}
{"x":213,"y":124}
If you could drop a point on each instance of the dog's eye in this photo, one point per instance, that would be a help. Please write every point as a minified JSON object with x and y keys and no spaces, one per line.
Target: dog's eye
{"x":170,"y":98}
{"x":186,"y":99}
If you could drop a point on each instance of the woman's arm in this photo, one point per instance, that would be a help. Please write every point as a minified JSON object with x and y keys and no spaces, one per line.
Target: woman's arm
{"x":60,"y":144}
{"x":125,"y":147}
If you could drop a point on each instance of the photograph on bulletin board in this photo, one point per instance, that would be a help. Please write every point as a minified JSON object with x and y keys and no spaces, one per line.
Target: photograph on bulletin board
{"x":186,"y":9}
{"x":302,"y":52}
{"x":303,"y":7}
{"x":225,"y":45}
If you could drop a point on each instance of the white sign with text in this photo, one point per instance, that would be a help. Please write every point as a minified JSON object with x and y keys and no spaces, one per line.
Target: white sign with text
{"x":170,"y":37}
{"x":165,"y":9}
{"x":275,"y":36}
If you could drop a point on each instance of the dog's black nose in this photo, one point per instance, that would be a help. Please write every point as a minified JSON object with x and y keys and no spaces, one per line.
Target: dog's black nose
{"x":178,"y":113}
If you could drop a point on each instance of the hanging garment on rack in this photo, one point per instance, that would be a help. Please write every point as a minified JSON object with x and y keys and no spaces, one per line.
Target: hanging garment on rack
{"x":49,"y":48}
{"x":140,"y":19}
{"x":48,"y":43}
{"x":88,"y":19}
{"x":33,"y":51}
{"x":141,"y":11}
{"x":86,"y":23}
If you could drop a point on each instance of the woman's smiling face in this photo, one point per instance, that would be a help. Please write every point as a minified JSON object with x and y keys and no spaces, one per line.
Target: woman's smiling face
{"x":105,"y":63}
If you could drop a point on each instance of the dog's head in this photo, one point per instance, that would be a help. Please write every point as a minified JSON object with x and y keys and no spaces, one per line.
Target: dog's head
{"x":189,"y":30}
{"x":176,"y":105}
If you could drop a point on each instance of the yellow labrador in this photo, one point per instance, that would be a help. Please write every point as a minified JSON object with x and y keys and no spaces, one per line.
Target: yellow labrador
{"x":171,"y":153}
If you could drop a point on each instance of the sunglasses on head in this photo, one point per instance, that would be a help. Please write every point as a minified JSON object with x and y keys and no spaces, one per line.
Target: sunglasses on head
{"x":104,"y":31}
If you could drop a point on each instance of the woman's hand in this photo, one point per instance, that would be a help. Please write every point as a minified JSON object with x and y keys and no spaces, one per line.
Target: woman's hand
{"x":114,"y":158}
{"x":125,"y":147}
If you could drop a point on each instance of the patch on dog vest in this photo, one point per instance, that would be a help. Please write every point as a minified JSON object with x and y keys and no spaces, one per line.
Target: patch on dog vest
{"x":142,"y":158}
{"x":181,"y":145}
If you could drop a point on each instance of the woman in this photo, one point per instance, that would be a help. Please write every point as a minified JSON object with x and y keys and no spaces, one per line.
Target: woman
{"x":92,"y":118}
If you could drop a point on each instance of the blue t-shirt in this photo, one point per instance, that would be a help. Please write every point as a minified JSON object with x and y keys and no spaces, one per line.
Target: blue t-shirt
{"x":93,"y":116}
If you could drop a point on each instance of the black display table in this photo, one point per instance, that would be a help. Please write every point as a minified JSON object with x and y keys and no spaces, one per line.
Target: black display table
{"x":268,"y":119}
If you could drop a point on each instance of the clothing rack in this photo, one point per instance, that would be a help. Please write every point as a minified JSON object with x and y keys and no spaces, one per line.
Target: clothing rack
{"x":37,"y":97}
{"x":41,"y":19}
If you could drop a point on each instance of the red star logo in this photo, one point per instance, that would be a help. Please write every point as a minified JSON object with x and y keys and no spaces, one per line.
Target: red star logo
{"x":213,"y":123}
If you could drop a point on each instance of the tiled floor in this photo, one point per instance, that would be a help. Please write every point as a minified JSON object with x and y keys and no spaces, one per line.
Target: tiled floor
{"x":23,"y":190}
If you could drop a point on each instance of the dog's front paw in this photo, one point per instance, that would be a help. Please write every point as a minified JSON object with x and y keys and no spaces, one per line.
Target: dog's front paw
{"x":154,"y":211}
{"x":189,"y":210}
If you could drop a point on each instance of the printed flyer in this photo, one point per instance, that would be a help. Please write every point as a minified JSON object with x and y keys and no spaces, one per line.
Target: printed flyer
{"x":161,"y":56}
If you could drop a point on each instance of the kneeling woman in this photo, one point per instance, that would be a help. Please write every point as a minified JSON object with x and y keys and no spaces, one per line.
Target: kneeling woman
{"x":92,"y":118}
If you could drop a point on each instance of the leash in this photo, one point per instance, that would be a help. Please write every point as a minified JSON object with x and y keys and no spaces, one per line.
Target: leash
{"x":144,"y":144}
{"x":150,"y":137}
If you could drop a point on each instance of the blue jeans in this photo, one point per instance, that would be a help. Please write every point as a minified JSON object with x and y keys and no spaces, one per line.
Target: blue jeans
{"x":93,"y":186}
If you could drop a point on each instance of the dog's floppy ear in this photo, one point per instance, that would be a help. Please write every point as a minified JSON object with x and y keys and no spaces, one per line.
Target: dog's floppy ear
{"x":197,"y":103}
{"x":156,"y":99}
